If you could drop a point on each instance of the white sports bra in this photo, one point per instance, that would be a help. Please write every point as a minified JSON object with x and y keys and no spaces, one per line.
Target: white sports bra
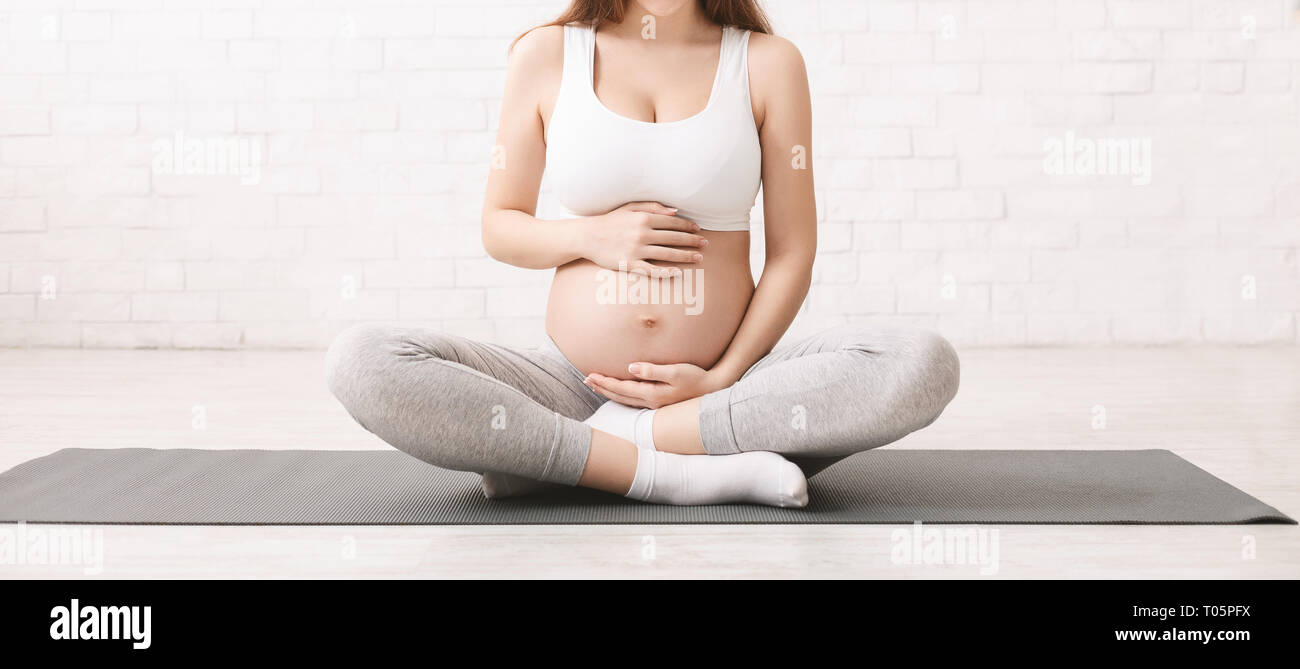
{"x":706,"y":165}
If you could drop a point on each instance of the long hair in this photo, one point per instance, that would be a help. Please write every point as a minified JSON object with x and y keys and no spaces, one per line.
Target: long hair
{"x":743,"y":14}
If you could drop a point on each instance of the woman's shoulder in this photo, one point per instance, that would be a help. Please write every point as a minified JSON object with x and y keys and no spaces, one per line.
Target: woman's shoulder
{"x":540,"y":42}
{"x":774,"y":53}
{"x":777,"y":76}
{"x":536,"y":67}
{"x":539,"y":49}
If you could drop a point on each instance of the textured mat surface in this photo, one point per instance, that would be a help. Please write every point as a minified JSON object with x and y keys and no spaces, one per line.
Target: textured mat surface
{"x":250,"y":487}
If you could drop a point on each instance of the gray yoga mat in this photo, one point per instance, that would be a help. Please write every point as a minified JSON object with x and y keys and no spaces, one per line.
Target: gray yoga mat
{"x":251,"y":487}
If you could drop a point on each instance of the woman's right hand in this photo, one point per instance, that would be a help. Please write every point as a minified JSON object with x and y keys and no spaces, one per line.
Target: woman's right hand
{"x":636,"y":234}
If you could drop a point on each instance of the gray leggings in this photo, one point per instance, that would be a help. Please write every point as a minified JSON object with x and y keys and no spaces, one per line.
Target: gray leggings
{"x":471,"y":406}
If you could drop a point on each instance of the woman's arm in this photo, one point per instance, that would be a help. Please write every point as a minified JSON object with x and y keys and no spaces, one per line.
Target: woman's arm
{"x":790,"y":210}
{"x":511,"y":232}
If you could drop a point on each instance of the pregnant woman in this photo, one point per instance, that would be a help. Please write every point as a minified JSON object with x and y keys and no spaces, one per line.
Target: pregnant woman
{"x":660,"y":378}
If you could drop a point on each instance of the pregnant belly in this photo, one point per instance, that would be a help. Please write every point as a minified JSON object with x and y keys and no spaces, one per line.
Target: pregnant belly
{"x":604,"y":320}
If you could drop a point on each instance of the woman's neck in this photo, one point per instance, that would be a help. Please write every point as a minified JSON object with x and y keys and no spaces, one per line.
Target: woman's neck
{"x":686,"y":23}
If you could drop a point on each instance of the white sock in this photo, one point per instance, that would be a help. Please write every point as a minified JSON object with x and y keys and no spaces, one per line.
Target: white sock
{"x":626,"y":423}
{"x":759,"y":477}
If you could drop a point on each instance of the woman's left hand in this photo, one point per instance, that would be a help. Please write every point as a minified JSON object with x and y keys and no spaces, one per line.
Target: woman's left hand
{"x":656,"y":386}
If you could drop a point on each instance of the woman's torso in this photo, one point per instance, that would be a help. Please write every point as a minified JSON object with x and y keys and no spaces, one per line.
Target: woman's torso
{"x":706,"y":165}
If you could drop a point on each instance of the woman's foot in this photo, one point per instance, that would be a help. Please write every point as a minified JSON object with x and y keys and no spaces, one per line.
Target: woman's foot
{"x":759,"y":477}
{"x":690,"y":480}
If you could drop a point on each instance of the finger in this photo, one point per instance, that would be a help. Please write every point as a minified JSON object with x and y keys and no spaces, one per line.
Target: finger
{"x":629,"y":387}
{"x":662,"y":222}
{"x":621,"y":399}
{"x":672,"y":255}
{"x":651,"y":372}
{"x":652,"y":208}
{"x":629,"y":400}
{"x":675,"y":238}
{"x":644,"y":268}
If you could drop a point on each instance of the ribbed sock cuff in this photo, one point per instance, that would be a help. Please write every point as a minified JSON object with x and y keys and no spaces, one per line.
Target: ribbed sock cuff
{"x":645,"y":430}
{"x":643,"y":482}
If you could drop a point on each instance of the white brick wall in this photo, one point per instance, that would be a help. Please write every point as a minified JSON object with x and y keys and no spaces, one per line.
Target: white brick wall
{"x":370,"y":124}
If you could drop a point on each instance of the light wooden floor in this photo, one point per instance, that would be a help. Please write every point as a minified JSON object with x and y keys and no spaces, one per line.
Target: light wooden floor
{"x":1234,"y":412}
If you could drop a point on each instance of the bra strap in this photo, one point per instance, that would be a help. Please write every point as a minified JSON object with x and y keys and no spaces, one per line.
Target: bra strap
{"x":577,"y":54}
{"x":735,"y":56}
